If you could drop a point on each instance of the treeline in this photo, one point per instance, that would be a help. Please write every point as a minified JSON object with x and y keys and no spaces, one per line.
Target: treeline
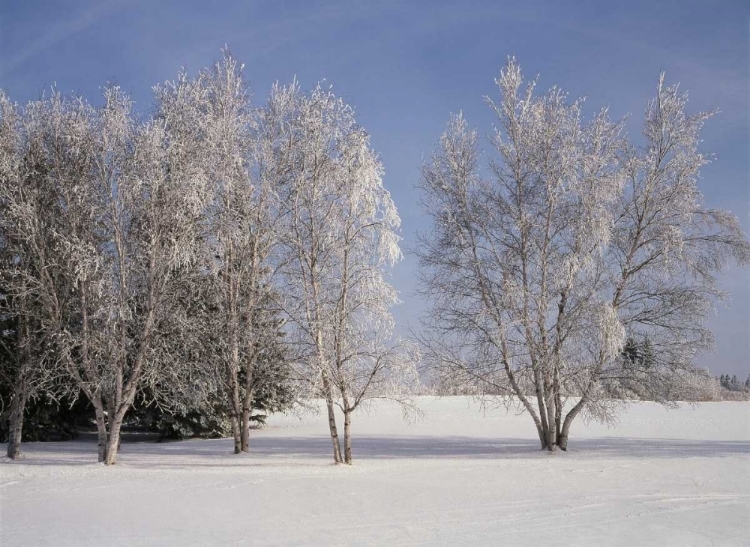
{"x":199,"y":259}
{"x":733,"y":389}
{"x":733,"y":384}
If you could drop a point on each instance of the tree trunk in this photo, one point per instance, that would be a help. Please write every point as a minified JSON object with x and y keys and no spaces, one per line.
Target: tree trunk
{"x":333,"y":429}
{"x":20,"y":394}
{"x":542,"y":436}
{"x":234,"y":419}
{"x":15,"y":430}
{"x":247,"y":405}
{"x":563,"y":440}
{"x":101,"y":429}
{"x":114,"y":439}
{"x":234,"y":410}
{"x":332,"y":420}
{"x":551,"y":422}
{"x":541,"y":406}
{"x":348,"y":437}
{"x":245,"y":433}
{"x":517,"y":390}
{"x":558,"y":402}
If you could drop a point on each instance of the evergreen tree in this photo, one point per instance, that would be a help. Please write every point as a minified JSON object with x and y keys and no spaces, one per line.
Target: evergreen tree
{"x":630,"y":352}
{"x":648,"y":358}
{"x":209,"y":415}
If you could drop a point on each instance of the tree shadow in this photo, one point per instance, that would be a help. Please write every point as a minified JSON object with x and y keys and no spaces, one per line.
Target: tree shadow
{"x":429,"y":447}
{"x":606,"y":447}
{"x":283,"y":451}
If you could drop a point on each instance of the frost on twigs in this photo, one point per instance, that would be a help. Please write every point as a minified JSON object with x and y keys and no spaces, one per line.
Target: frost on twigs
{"x":337,"y":243}
{"x":212,"y":254}
{"x":555,"y":271}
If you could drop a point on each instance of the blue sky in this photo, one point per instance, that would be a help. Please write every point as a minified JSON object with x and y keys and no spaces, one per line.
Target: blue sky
{"x":406,"y":65}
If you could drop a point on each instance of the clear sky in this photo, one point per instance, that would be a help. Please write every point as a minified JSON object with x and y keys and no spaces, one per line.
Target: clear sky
{"x":406,"y":65}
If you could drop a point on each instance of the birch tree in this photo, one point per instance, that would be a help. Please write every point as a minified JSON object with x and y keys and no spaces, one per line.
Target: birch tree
{"x":541,"y":266}
{"x":151,"y":226}
{"x":110,"y":214}
{"x":339,"y":241}
{"x":240,"y":239}
{"x":15,"y":342}
{"x":23,"y":350}
{"x":27,"y":228}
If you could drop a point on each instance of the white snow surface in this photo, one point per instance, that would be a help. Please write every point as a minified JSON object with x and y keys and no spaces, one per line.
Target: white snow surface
{"x":460,"y":476}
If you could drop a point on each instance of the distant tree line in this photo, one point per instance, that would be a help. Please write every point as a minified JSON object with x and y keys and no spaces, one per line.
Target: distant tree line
{"x":733,"y":383}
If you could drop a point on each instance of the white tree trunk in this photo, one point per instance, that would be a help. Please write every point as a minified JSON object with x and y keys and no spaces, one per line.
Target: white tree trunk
{"x":113,"y":444}
{"x":234,"y":412}
{"x":348,"y":437}
{"x":332,"y":419}
{"x":246,"y":411}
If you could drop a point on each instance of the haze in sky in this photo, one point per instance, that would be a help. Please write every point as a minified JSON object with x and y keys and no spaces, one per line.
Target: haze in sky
{"x":406,"y":66}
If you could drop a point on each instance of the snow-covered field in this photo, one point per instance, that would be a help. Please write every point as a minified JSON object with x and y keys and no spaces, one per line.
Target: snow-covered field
{"x":458,"y":477}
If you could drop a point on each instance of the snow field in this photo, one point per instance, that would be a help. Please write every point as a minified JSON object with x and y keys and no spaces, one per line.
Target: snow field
{"x":460,"y":476}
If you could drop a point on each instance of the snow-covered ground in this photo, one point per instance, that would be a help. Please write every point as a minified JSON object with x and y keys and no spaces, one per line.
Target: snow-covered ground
{"x":458,"y":477}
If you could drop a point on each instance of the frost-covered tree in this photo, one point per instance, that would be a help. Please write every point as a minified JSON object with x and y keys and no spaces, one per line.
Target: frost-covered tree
{"x":339,"y":241}
{"x":200,"y":407}
{"x":23,"y":350}
{"x":15,"y":361}
{"x":239,"y":241}
{"x":27,"y":229}
{"x":541,"y":267}
{"x":108,"y":214}
{"x":148,"y":249}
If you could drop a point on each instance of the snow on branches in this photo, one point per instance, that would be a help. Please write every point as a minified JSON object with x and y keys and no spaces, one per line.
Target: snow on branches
{"x":573,"y":240}
{"x":184,"y":256}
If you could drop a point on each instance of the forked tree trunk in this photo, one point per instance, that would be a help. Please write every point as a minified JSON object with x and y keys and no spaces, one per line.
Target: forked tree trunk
{"x":334,"y":431}
{"x":332,"y":420}
{"x":548,"y":438}
{"x":15,"y":431}
{"x":527,"y":405}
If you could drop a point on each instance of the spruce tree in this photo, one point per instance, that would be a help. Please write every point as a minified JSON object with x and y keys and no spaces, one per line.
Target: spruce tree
{"x":647,"y":354}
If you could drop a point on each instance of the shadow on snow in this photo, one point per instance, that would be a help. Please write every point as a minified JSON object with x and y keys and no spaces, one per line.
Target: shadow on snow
{"x":271,"y":451}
